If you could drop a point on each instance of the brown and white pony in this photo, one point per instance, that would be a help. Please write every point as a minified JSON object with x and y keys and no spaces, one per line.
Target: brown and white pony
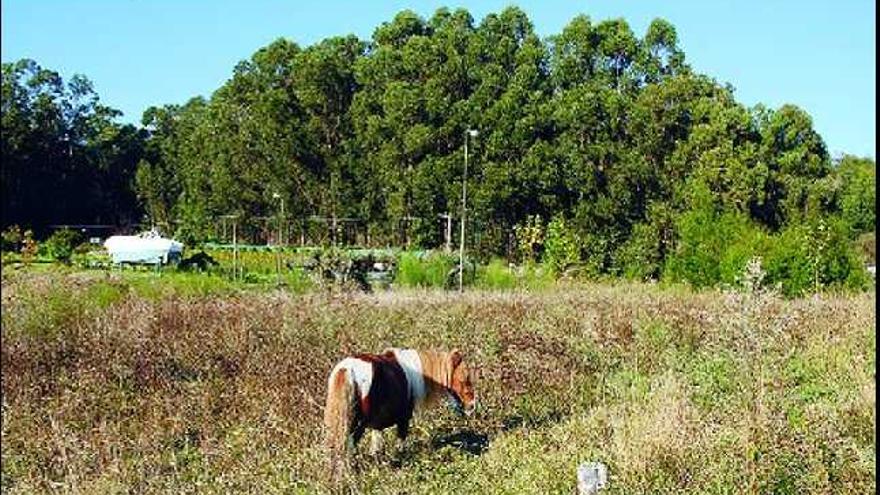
{"x":381,"y":390}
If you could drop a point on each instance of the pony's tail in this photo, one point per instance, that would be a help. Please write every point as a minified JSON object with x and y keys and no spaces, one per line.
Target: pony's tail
{"x":338,"y":418}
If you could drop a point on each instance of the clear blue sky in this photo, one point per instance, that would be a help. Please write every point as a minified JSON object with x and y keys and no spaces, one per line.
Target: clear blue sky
{"x":819,"y":55}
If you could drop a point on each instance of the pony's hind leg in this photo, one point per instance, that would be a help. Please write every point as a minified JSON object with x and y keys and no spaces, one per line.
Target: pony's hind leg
{"x":356,"y":434}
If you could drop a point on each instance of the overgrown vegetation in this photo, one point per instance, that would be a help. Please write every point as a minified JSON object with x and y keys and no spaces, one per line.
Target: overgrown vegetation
{"x":434,"y":270}
{"x":801,"y":259}
{"x":108,"y":388}
{"x":61,"y":244}
{"x":602,"y":152}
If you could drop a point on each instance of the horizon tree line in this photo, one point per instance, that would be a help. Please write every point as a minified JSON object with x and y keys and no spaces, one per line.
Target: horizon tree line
{"x":612,"y":133}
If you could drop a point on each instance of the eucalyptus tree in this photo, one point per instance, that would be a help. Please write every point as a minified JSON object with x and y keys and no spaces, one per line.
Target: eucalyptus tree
{"x":797,"y":159}
{"x":389,"y":114}
{"x":258,"y":147}
{"x":515,"y":165}
{"x":160,"y":172}
{"x":60,"y":142}
{"x":611,"y":134}
{"x":324,"y":85}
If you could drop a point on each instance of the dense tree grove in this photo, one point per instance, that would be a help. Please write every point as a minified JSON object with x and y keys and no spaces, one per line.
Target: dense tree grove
{"x":65,"y":160}
{"x":610,"y":134}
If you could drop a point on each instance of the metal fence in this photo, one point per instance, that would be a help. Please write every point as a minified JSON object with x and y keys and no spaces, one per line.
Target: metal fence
{"x":442,"y":232}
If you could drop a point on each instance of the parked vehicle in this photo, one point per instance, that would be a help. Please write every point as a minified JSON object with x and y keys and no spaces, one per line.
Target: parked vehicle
{"x":145,"y":248}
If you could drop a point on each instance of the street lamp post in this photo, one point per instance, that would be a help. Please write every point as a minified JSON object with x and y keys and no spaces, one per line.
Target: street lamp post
{"x":472,"y":133}
{"x":280,"y":239}
{"x":280,"y":218}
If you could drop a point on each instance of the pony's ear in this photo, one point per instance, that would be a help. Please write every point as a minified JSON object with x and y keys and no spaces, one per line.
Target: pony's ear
{"x":455,"y":358}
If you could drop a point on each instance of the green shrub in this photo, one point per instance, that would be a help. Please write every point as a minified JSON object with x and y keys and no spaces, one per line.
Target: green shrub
{"x":29,"y":247}
{"x":296,"y":280}
{"x":60,"y":245}
{"x":751,"y":243}
{"x":561,"y":247}
{"x":713,"y":379}
{"x":715,"y":247}
{"x":106,"y":293}
{"x":703,"y":238}
{"x":639,"y":258}
{"x":431,"y":270}
{"x":807,"y":257}
{"x":11,"y":238}
{"x":595,"y":253}
{"x":182,"y":284}
{"x":437,"y":267}
{"x":530,"y":239}
{"x":491,"y":242}
{"x":534,"y":276}
{"x":90,"y":259}
{"x":788,"y":261}
{"x":496,"y":275}
{"x":866,"y":247}
{"x":858,"y":193}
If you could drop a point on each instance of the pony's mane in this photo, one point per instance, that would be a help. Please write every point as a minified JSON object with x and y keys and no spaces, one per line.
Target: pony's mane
{"x":437,"y":369}
{"x":434,"y":372}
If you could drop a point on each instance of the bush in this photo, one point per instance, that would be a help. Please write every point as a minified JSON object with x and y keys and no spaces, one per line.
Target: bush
{"x":496,"y":275}
{"x":807,"y":257}
{"x":858,"y":193}
{"x":491,"y":242}
{"x":639,"y":257}
{"x":561,"y":247}
{"x":715,"y":248}
{"x":29,"y":247}
{"x":534,"y":276}
{"x":595,"y":253}
{"x":703,"y":238}
{"x":11,"y":239}
{"x":530,"y":239}
{"x":866,"y":246}
{"x":424,"y":271}
{"x":838,"y":262}
{"x":752,"y":243}
{"x":61,"y":243}
{"x":90,"y":259}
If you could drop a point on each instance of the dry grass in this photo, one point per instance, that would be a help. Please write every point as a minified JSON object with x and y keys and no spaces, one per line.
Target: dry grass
{"x":107,"y":391}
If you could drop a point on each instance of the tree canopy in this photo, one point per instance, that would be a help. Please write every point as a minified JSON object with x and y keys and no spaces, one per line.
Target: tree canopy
{"x":608,"y":129}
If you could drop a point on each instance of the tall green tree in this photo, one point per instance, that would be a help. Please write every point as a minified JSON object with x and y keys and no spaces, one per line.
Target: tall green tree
{"x":60,"y":142}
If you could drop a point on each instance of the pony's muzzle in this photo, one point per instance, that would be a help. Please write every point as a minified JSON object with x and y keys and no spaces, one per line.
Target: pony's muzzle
{"x":469,"y":410}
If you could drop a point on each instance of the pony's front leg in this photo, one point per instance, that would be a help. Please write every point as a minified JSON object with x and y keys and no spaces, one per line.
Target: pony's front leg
{"x":376,"y":442}
{"x":402,"y":433}
{"x":403,"y":429}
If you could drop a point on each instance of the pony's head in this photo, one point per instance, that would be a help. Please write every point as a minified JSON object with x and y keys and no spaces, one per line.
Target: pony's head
{"x":461,"y":387}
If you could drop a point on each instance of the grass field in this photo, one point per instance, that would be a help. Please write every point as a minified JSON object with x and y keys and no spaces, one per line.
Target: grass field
{"x":145,"y":384}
